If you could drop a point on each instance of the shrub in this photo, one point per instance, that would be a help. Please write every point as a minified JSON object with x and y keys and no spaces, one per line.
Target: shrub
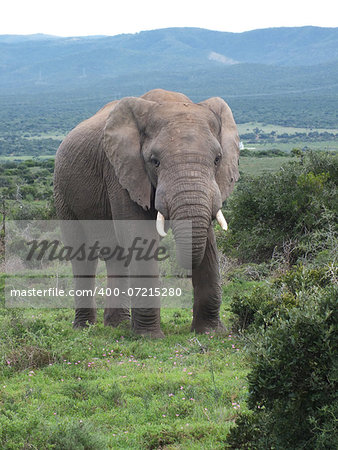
{"x":302,"y":278}
{"x":262,"y":153}
{"x":31,"y":211}
{"x":76,"y":435}
{"x":29,"y":357}
{"x":255,"y":307}
{"x":293,"y":381}
{"x":268,"y":302}
{"x":31,"y":432}
{"x":297,"y":203}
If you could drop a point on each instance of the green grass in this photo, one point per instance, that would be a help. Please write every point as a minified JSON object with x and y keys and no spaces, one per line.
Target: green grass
{"x":288,"y":146}
{"x":267,"y":128}
{"x":255,"y":166}
{"x":292,"y":141}
{"x":247,"y":164}
{"x":106,"y":388}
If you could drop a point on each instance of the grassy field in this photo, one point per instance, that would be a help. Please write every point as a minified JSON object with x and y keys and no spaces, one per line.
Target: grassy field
{"x":249,"y":165}
{"x":287,"y":147}
{"x":267,"y":128}
{"x":106,"y":388}
{"x":256,"y":166}
{"x":292,"y":141}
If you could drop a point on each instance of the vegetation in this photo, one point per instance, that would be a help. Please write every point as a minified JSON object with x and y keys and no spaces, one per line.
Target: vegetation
{"x":293,"y":379}
{"x":49,"y":85}
{"x":273,"y":373}
{"x":26,"y":186}
{"x":26,"y":190}
{"x":104,"y":388}
{"x":270,"y":381}
{"x":203,"y":60}
{"x":288,"y":320}
{"x":258,"y":135}
{"x":294,"y":207}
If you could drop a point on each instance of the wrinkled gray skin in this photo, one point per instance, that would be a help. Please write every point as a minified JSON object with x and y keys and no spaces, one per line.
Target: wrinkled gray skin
{"x":106,"y":169}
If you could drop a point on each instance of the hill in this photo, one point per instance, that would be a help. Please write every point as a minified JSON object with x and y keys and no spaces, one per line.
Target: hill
{"x":285,"y":76}
{"x":188,"y":55}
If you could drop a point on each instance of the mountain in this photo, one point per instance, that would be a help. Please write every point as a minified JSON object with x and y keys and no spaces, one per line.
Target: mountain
{"x":14,"y":38}
{"x":286,"y":76}
{"x":286,"y":55}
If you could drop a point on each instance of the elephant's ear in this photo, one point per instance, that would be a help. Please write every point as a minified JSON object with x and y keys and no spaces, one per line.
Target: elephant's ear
{"x":122,"y":144}
{"x":227,"y":172}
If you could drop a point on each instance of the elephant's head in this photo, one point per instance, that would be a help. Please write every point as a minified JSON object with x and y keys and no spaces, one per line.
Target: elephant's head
{"x":185,"y":153}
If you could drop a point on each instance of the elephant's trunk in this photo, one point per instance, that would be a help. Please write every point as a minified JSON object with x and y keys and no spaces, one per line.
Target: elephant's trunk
{"x":190,"y":198}
{"x":190,"y":217}
{"x":190,"y":243}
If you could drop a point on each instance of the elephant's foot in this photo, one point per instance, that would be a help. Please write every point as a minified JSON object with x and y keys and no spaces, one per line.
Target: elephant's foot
{"x":203,"y":326}
{"x":153,"y":334}
{"x":84,"y":317}
{"x":147,"y":322}
{"x":115,"y":316}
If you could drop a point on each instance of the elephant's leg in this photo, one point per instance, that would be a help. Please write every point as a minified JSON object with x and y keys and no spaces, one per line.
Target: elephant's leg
{"x":118,"y":303}
{"x":146,"y":318}
{"x":207,"y":290}
{"x":85,"y":306}
{"x":144,"y":283}
{"x":147,"y":322}
{"x":74,"y":236}
{"x":136,"y":228}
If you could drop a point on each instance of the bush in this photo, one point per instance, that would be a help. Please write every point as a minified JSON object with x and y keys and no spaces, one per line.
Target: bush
{"x":296,"y":204}
{"x":266,"y":303}
{"x":253,"y":308}
{"x":293,"y":381}
{"x":31,"y":211}
{"x":76,"y":435}
{"x":29,"y":357}
{"x":302,"y":278}
{"x":274,"y":152}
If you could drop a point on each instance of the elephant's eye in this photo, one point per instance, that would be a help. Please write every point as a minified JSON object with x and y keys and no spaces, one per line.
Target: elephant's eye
{"x":217,"y":160}
{"x":154,"y":161}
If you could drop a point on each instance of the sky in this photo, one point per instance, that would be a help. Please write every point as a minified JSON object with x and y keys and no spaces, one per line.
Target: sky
{"x":111,"y":17}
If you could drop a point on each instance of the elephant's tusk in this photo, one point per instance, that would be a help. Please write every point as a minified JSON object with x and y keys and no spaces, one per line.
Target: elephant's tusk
{"x":221,"y":220}
{"x":160,"y":224}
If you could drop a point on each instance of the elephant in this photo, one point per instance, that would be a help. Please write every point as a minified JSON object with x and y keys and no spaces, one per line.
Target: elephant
{"x":161,"y":158}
